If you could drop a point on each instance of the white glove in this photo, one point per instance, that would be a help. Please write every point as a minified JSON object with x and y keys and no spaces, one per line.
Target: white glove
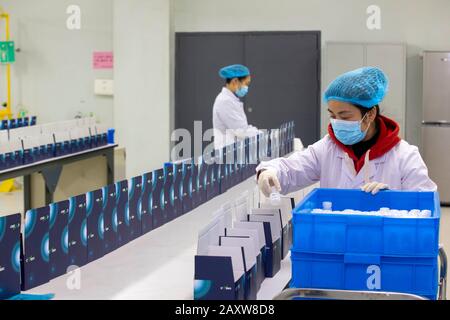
{"x":268,"y":179}
{"x":374,"y":187}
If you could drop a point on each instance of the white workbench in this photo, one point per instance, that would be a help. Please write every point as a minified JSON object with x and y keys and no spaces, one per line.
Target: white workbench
{"x":158,"y":265}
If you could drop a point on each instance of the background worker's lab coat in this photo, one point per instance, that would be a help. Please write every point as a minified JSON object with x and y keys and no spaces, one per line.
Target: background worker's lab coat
{"x":401,"y":168}
{"x":229,"y":120}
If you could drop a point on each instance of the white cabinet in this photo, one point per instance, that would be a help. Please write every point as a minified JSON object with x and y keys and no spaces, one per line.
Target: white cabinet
{"x":341,"y":57}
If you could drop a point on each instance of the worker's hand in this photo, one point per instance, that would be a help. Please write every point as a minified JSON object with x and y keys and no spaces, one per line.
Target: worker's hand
{"x":268,"y":179}
{"x":374,"y":187}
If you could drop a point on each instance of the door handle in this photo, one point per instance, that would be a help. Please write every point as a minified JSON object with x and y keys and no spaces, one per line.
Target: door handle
{"x":250,"y":110}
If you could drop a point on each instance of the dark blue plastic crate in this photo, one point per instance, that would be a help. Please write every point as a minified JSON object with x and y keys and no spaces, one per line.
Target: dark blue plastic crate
{"x":345,"y":234}
{"x":418,"y":276}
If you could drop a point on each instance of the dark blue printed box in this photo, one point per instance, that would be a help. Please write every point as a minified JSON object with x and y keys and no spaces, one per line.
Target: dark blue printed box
{"x":36,"y":251}
{"x":187,"y":186}
{"x":201,"y":183}
{"x":231,"y":163}
{"x":177,"y":188}
{"x":135,"y":207}
{"x":169,"y":195}
{"x":109,"y":219}
{"x":147,"y":202}
{"x":59,"y":238}
{"x":158,"y":199}
{"x":224,"y":181}
{"x":197,"y":196}
{"x":78,"y":231}
{"x":214,"y":279}
{"x":122,"y":213}
{"x":10,"y":256}
{"x":95,"y":224}
{"x":212,"y":182}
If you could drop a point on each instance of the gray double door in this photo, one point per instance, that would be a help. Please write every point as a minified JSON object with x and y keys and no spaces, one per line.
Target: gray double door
{"x":285,"y":68}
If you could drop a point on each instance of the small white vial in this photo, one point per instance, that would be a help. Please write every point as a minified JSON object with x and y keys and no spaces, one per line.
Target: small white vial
{"x":327,"y":205}
{"x":425,"y":214}
{"x":404,"y":213}
{"x":384,"y":212}
{"x":395,"y":213}
{"x":275,"y":197}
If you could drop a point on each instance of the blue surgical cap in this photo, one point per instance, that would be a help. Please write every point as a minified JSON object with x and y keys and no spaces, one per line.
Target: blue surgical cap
{"x":365,"y":87}
{"x":234,"y":71}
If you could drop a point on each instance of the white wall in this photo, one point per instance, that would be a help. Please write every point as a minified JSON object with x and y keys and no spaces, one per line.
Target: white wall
{"x":142,"y":82}
{"x":54,"y":79}
{"x":172,"y":65}
{"x":53,"y":76}
{"x":423,"y":25}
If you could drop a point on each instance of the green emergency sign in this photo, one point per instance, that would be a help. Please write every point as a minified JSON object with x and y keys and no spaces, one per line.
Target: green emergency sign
{"x":7,"y":52}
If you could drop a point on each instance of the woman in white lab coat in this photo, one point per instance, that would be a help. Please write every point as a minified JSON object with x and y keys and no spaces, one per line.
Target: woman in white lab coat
{"x":229,"y":119}
{"x":362,"y":148}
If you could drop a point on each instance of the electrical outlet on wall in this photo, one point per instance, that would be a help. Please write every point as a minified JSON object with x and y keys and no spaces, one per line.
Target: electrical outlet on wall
{"x":104,"y":87}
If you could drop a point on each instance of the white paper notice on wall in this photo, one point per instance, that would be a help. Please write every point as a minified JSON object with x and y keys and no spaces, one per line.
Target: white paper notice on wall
{"x":104,"y":87}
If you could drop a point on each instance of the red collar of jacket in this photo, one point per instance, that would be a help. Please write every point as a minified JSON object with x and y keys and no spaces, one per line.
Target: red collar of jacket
{"x":387,"y":139}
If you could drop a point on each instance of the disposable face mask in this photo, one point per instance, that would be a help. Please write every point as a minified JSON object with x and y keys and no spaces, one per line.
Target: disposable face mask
{"x":348,"y":132}
{"x":242,"y":91}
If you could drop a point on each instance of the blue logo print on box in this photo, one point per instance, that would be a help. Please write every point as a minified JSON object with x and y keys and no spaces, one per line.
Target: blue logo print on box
{"x":45,"y":248}
{"x":30,"y":222}
{"x":65,"y":240}
{"x":101,"y":226}
{"x":15,"y":257}
{"x":201,"y":288}
{"x":2,"y":227}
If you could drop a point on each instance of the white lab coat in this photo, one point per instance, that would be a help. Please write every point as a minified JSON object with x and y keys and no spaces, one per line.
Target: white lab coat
{"x":229,"y":120}
{"x":401,"y":168}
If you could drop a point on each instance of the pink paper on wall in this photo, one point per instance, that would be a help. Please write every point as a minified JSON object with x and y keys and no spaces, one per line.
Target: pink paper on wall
{"x":103,"y":60}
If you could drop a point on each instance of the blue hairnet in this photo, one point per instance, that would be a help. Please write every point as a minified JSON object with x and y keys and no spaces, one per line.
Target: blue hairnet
{"x":234,"y":71}
{"x":365,"y":87}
